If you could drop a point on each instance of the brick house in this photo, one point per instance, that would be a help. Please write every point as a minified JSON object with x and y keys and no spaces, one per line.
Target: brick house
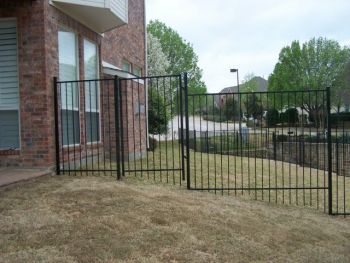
{"x":71,"y":40}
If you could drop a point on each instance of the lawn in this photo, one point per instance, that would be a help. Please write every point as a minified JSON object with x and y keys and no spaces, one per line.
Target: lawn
{"x":97,"y":219}
{"x":235,"y":172}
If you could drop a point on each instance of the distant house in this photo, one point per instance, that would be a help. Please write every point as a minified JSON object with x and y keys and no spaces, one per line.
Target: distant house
{"x":258,"y":84}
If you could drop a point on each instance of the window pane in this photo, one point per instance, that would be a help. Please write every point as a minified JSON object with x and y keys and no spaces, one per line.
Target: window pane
{"x":137,"y":71}
{"x":9,"y":132}
{"x":91,"y":72}
{"x":70,"y":126}
{"x":9,"y":91}
{"x":90,"y":60}
{"x":69,"y":95}
{"x":68,"y":71}
{"x":92,"y":91}
{"x":126,"y":66}
{"x":92,"y":96}
{"x":92,"y":126}
{"x":67,"y":56}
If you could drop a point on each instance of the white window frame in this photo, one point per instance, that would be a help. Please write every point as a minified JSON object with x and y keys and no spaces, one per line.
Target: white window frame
{"x":18,"y":84}
{"x":78,"y":109}
{"x":98,"y":93}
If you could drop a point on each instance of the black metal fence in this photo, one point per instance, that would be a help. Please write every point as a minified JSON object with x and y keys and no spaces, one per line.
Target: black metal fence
{"x":121,"y":126}
{"x":287,"y":147}
{"x":153,"y":116}
{"x":86,"y":126}
{"x":275,"y":146}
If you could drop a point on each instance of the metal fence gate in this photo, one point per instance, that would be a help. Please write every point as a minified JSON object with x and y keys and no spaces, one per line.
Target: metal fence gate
{"x":151,"y":127}
{"x":284,"y":147}
{"x":122,"y":127}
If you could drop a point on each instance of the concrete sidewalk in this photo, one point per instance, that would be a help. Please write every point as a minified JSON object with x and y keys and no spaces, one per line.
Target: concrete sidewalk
{"x":10,"y":175}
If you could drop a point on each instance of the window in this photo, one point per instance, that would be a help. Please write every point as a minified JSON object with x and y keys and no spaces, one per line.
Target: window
{"x":137,"y":71}
{"x":92,"y":92}
{"x":9,"y":91}
{"x":126,"y":66}
{"x":68,"y":71}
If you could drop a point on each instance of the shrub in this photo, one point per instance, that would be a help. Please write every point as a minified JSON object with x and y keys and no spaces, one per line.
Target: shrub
{"x":291,"y":116}
{"x":158,"y":113}
{"x":340,"y":118}
{"x":215,"y":118}
{"x":272,"y":117}
{"x":282,"y":138}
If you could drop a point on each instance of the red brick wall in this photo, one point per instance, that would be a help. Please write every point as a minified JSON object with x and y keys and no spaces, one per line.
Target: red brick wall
{"x":38,"y":24}
{"x":34,"y":127}
{"x":134,"y":122}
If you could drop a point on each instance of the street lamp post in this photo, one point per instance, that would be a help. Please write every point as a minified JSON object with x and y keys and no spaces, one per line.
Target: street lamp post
{"x":235,"y":70}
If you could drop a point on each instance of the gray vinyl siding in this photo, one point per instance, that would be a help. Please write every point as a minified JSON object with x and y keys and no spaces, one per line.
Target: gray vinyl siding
{"x":120,"y":7}
{"x":9,"y":91}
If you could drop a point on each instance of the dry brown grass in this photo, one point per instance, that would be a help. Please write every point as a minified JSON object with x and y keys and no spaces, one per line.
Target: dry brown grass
{"x":96,"y":219}
{"x":223,"y":171}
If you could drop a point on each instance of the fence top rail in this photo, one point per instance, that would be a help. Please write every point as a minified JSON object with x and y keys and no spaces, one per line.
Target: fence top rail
{"x":152,"y":77}
{"x":83,"y":80}
{"x":257,"y":92}
{"x":112,"y":79}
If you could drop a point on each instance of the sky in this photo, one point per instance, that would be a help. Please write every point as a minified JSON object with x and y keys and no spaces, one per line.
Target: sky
{"x":249,"y":34}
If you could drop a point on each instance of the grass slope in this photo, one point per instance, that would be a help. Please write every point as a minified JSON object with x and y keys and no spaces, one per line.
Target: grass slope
{"x":96,"y":219}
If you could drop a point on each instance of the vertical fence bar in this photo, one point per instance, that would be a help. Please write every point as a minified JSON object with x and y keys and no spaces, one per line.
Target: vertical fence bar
{"x":67,"y":128}
{"x":57,"y":141}
{"x":117,"y":124}
{"x":329,"y":144}
{"x":187,"y":135}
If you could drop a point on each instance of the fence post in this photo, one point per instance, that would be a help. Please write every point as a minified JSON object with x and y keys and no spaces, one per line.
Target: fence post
{"x":121,"y":126}
{"x":329,"y":149}
{"x":187,"y":135}
{"x":57,"y":142}
{"x":182,"y":137}
{"x":117,"y":124}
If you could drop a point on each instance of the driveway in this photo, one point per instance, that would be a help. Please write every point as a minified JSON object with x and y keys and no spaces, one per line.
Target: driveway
{"x":199,"y":125}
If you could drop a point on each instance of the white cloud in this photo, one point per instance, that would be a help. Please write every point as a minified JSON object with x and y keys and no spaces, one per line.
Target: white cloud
{"x":248,"y":34}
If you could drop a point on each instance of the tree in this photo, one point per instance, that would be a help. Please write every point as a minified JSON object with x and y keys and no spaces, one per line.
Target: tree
{"x":345,"y":94}
{"x":157,"y":61}
{"x":181,"y":57}
{"x":315,"y":64}
{"x":248,"y":84}
{"x":253,"y":106}
{"x":158,"y":112}
{"x":230,"y":109}
{"x":252,"y":83}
